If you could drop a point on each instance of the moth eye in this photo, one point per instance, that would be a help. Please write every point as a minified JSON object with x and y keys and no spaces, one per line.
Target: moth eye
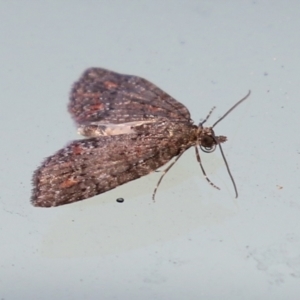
{"x":208,"y":144}
{"x":207,"y":141}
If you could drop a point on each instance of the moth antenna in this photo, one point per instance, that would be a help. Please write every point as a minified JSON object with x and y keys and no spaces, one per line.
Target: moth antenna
{"x":164,"y":173}
{"x":207,"y":117}
{"x":219,"y":144}
{"x":229,"y":172}
{"x":232,"y":108}
{"x":203,"y":171}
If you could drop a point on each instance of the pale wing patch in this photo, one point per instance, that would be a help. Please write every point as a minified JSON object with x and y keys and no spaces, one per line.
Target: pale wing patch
{"x":95,"y":129}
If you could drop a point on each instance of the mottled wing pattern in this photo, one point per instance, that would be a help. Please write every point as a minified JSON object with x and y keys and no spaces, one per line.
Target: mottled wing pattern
{"x":109,"y":97}
{"x":88,"y":167}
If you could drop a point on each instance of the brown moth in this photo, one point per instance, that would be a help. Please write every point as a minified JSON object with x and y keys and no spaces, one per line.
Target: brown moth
{"x":132,"y":129}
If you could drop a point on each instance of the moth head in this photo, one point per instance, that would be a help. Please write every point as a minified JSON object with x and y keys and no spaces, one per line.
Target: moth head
{"x":208,"y":141}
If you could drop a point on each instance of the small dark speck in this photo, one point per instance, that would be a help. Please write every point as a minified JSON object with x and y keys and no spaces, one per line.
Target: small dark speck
{"x":266,"y":74}
{"x":120,"y":200}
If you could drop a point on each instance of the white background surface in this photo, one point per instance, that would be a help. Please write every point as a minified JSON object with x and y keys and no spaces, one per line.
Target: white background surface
{"x":194,"y":242}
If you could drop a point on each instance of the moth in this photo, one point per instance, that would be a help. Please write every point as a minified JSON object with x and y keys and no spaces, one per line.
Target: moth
{"x":132,"y":128}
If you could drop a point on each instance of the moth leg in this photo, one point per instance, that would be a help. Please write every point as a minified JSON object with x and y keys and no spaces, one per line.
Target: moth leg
{"x":164,"y":173}
{"x":203,"y":171}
